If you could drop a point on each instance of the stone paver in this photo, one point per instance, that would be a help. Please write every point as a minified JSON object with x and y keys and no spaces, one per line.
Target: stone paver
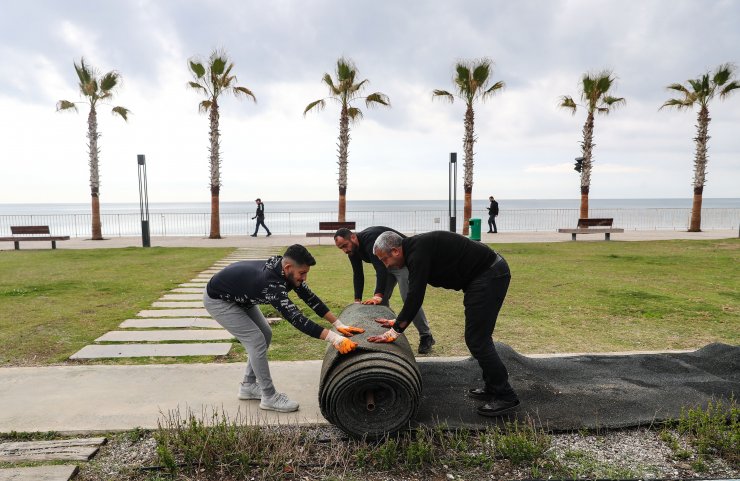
{"x":177,"y":304}
{"x":152,"y":350}
{"x":166,"y":335}
{"x":173,"y":313}
{"x":62,"y":472}
{"x":190,"y":290}
{"x":200,"y":285}
{"x":163,"y":322}
{"x":81,"y":449}
{"x":182,"y":297}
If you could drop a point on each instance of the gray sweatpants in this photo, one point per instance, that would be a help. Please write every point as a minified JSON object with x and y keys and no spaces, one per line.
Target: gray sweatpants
{"x":251,"y":329}
{"x":401,"y":277}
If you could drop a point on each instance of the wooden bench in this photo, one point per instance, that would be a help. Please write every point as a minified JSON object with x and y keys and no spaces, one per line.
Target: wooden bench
{"x":332,"y":227}
{"x":32,"y":233}
{"x":593,"y":226}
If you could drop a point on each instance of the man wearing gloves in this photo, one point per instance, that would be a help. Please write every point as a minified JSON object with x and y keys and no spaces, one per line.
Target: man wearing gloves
{"x":232,"y":297}
{"x":449,"y":260}
{"x":359,"y":249}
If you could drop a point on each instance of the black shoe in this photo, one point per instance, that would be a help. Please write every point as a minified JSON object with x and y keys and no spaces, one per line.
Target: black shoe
{"x":497,"y":407}
{"x":253,"y":235}
{"x":269,"y":234}
{"x":480,"y":393}
{"x":425,"y":344}
{"x":489,"y":232}
{"x":495,"y":232}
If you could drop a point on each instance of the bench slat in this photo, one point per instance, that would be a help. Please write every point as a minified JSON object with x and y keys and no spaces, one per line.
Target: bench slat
{"x":336,"y":225}
{"x":29,"y":229}
{"x":595,"y":222}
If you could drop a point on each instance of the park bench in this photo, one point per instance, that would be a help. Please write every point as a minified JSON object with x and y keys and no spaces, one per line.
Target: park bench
{"x":330,"y":228}
{"x":593,"y":226}
{"x":32,"y":233}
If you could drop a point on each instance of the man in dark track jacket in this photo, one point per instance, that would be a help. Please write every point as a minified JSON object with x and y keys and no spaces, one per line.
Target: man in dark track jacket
{"x":260,"y":216}
{"x":492,"y":214}
{"x":232,"y":298}
{"x":449,"y":260}
{"x":359,"y":249}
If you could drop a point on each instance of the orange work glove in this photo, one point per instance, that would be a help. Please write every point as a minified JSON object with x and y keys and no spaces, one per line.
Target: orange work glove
{"x":386,"y":322}
{"x":348,"y":331}
{"x":388,"y":336}
{"x":375,"y":300}
{"x":341,"y":343}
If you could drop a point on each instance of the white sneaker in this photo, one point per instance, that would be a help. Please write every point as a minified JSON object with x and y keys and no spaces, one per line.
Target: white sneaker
{"x":279,"y":402}
{"x":250,"y":390}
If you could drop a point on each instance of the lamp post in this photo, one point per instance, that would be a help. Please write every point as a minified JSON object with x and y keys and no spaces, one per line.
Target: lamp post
{"x":452,"y":194}
{"x":143,"y":201}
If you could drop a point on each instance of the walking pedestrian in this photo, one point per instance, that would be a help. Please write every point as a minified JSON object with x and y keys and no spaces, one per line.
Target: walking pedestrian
{"x":260,"y":216}
{"x":492,"y":214}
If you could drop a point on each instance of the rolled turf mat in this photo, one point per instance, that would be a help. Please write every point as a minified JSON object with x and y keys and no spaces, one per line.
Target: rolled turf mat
{"x":375,"y":389}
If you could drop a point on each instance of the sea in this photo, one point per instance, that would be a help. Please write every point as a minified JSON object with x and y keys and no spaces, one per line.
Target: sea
{"x":413,"y":216}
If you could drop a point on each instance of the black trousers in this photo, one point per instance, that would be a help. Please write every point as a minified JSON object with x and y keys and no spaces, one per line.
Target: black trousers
{"x":483,"y":299}
{"x":492,"y":223}
{"x":261,"y":222}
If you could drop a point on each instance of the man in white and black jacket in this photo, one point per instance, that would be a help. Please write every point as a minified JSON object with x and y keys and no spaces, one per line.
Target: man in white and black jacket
{"x":449,"y":260}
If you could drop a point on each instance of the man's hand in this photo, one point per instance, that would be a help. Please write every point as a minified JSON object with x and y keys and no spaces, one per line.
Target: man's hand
{"x":388,"y":336}
{"x":375,"y":300}
{"x":386,"y":322}
{"x":341,"y":343}
{"x":348,"y":331}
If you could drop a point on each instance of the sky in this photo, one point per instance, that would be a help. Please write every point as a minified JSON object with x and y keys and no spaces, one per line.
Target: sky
{"x":281,"y":50}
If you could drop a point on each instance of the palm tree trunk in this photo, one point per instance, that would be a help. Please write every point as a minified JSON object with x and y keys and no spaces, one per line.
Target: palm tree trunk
{"x":93,"y":151}
{"x":215,"y":164}
{"x":468,"y":141}
{"x":700,"y":167}
{"x":342,"y":154}
{"x":586,"y":149}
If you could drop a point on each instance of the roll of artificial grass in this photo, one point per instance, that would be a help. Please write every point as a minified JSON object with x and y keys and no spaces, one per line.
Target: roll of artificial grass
{"x":374,"y":390}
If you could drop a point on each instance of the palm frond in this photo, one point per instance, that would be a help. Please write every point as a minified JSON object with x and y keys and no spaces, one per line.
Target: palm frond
{"x":218,"y":64}
{"x":205,"y":106}
{"x":444,"y":95}
{"x":197,"y":68}
{"x":346,"y":69}
{"x":330,"y":83}
{"x":244,"y":91}
{"x":197,"y":86}
{"x":729,"y":88}
{"x":722,"y":74}
{"x":122,"y":111}
{"x":377,"y":98}
{"x":567,"y":102}
{"x":696,"y":84}
{"x":678,"y":104}
{"x":614,"y":101}
{"x":84,"y":72}
{"x":66,"y":105}
{"x":679,"y":88}
{"x":354,"y":114}
{"x":481,"y":72}
{"x":109,"y":81}
{"x":494,"y":88}
{"x":462,"y":74}
{"x":359,"y":86}
{"x":317,"y":104}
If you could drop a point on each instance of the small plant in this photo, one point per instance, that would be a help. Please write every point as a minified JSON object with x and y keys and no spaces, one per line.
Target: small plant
{"x":714,"y":430}
{"x":386,"y":455}
{"x":420,"y":451}
{"x":521,"y":443}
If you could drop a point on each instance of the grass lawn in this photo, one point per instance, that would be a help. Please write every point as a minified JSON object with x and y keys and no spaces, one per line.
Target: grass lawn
{"x":564,"y":297}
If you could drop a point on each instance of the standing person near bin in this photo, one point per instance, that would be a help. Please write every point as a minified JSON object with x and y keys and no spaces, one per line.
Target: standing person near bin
{"x":260,"y":216}
{"x":232,"y":298}
{"x":492,"y":214}
{"x":359,"y":249}
{"x":449,"y":260}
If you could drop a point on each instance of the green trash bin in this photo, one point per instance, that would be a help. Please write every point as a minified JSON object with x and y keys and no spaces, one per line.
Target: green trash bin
{"x":474,"y":229}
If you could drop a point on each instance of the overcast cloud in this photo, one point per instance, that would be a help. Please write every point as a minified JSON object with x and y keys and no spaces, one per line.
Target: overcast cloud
{"x":406,"y":49}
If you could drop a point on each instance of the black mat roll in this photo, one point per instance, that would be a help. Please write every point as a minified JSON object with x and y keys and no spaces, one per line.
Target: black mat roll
{"x":375,"y":389}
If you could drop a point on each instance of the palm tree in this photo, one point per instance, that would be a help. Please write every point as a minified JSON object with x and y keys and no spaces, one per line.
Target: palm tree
{"x":471,"y":83}
{"x":699,"y":92}
{"x":596,"y":99}
{"x":344,"y":91}
{"x":95,"y":89}
{"x":213,"y":79}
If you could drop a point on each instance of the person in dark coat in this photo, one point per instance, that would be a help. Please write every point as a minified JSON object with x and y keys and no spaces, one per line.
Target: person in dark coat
{"x":492,"y":213}
{"x":260,"y":216}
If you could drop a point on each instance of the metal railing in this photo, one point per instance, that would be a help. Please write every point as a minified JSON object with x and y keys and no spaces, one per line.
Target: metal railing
{"x":415,"y":221}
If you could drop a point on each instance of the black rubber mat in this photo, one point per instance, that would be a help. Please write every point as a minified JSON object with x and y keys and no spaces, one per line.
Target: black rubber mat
{"x":585,"y":391}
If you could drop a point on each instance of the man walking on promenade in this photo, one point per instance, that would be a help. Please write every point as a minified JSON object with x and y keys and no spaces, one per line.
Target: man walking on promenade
{"x":260,"y":216}
{"x":232,"y":298}
{"x":449,"y":260}
{"x":492,"y":213}
{"x":359,"y":249}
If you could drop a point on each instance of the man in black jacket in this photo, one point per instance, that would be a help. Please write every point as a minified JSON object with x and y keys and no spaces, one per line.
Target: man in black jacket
{"x":232,"y":297}
{"x":492,"y":214}
{"x":449,"y":260}
{"x":260,"y":216}
{"x":359,"y":249}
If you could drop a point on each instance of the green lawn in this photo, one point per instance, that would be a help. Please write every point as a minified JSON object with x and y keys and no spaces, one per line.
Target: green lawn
{"x":564,"y":297}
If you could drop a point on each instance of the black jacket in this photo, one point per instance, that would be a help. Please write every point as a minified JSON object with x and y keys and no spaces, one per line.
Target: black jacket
{"x":440,"y":259}
{"x":364,"y":253}
{"x":260,"y":211}
{"x":493,"y":208}
{"x":249,"y":283}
